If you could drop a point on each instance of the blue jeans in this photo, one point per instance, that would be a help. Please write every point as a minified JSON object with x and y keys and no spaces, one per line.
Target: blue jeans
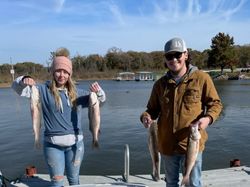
{"x":60,"y":158}
{"x":175,"y":163}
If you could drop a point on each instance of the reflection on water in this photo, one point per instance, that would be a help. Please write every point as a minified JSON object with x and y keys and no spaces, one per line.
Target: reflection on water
{"x":120,"y":125}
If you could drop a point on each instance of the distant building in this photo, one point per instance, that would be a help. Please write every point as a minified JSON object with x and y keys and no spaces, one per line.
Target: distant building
{"x":144,"y":76}
{"x":138,"y":76}
{"x":125,"y":76}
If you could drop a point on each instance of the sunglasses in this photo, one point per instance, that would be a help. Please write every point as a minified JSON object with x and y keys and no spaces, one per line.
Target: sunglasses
{"x":176,"y":55}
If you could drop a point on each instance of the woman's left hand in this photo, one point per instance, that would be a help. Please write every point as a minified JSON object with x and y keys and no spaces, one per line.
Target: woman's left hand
{"x":95,"y":87}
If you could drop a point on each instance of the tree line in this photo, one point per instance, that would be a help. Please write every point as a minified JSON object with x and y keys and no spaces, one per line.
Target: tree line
{"x":222,"y":54}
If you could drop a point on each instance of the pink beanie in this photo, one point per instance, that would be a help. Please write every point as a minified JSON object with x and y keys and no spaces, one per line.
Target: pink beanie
{"x":62,"y":62}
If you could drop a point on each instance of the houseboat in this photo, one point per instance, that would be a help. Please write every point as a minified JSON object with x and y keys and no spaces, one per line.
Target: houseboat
{"x":125,"y":76}
{"x":144,"y":76}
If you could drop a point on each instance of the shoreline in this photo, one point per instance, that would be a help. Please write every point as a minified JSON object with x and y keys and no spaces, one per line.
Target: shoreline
{"x":8,"y":85}
{"x":228,"y":76}
{"x":5,"y":85}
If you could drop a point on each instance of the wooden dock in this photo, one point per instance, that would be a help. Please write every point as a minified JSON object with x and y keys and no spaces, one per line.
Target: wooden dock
{"x":229,"y":177}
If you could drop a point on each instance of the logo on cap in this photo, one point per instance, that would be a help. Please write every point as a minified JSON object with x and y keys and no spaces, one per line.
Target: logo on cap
{"x":178,"y":44}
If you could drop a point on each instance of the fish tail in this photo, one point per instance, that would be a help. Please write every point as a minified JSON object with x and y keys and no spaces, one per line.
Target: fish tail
{"x":155,"y":176}
{"x":157,"y":169}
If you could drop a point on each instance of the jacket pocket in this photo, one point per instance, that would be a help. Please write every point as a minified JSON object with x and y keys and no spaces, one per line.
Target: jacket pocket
{"x":192,"y":101}
{"x":191,"y":96}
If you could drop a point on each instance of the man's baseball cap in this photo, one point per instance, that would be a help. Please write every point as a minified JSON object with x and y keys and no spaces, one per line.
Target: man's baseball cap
{"x":175,"y":45}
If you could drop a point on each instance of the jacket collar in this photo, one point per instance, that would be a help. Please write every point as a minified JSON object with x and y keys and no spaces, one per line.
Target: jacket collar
{"x":185,"y":77}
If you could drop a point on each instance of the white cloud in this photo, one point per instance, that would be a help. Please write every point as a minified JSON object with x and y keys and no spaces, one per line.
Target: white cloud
{"x":117,"y":15}
{"x":59,"y":5}
{"x":193,"y":7}
{"x":230,"y":12}
{"x":175,"y":11}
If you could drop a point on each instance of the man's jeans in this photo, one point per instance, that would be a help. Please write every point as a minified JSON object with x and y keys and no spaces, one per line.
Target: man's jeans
{"x":60,"y":158}
{"x":176,"y":163}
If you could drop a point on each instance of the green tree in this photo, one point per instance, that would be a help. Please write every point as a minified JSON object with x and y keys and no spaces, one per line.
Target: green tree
{"x":5,"y":68}
{"x":244,"y":55}
{"x":198,"y":58}
{"x":157,"y":60}
{"x":112,"y":58}
{"x":78,"y":63}
{"x":222,"y":53}
{"x":135,"y":60}
{"x":94,"y":62}
{"x":28,"y":68}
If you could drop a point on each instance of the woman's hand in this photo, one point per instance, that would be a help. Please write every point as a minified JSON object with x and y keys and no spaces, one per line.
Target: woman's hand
{"x":29,"y":81}
{"x":95,"y":87}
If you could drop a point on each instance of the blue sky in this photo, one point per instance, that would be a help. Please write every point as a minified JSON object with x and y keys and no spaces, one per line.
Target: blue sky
{"x":31,"y":29}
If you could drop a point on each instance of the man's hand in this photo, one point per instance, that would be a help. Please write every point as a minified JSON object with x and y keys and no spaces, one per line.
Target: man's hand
{"x":203,"y":122}
{"x":147,"y":121}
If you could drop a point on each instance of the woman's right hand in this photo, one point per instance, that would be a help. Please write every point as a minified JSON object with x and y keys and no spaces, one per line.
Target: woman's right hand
{"x":29,"y":81}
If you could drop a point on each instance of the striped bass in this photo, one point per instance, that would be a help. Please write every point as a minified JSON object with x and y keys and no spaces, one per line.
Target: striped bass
{"x":94,"y":118}
{"x":153,"y":149}
{"x":35,"y":108}
{"x":192,"y":152}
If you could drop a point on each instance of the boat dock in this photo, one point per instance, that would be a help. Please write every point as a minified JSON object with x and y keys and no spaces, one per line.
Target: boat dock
{"x":137,"y":76}
{"x":228,"y":177}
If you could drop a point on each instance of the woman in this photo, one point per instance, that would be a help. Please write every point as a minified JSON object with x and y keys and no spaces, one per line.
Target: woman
{"x":60,"y":104}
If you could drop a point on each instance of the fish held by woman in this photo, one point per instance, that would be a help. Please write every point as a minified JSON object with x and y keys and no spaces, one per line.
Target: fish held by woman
{"x":94,"y":118}
{"x":153,"y":149}
{"x":35,"y":108}
{"x":192,"y":152}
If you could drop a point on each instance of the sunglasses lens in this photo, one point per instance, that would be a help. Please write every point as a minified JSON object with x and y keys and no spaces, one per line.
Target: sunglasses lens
{"x":169,"y":57}
{"x":176,"y":55}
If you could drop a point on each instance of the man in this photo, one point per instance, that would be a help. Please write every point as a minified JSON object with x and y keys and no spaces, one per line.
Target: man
{"x":183,"y":97}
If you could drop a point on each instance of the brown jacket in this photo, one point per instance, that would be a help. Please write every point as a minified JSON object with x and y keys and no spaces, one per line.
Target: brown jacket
{"x":177,"y":105}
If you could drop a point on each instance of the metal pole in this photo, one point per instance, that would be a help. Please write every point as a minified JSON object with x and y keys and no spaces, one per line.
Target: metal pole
{"x":126,"y":163}
{"x":12,"y":71}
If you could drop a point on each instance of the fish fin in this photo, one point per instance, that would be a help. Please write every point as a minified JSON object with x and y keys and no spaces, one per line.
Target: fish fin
{"x":95,"y":145}
{"x":90,"y":128}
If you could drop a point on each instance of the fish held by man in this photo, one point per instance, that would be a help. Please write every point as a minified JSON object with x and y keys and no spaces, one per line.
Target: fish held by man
{"x":153,"y":149}
{"x":94,"y":118}
{"x":35,"y":108}
{"x":192,"y":152}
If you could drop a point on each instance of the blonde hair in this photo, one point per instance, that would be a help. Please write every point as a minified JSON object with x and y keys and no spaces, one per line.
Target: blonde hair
{"x":71,"y":89}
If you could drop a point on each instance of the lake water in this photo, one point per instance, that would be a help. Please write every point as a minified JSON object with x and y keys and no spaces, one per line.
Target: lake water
{"x":228,"y":138}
